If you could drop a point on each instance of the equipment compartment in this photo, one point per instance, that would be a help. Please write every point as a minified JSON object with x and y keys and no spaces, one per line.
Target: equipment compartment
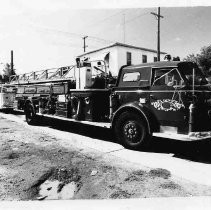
{"x":62,"y":105}
{"x":90,"y":105}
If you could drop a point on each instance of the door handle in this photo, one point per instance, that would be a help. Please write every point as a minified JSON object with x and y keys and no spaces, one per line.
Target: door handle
{"x":152,"y":97}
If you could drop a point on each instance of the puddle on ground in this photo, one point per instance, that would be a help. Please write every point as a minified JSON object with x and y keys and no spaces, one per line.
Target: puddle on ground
{"x":51,"y":190}
{"x":68,"y":191}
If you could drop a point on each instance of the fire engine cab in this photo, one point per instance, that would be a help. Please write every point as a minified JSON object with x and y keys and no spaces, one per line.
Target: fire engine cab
{"x":170,"y":99}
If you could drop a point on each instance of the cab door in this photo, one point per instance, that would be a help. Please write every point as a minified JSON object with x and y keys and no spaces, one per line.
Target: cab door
{"x":133,"y":86}
{"x":166,"y":99}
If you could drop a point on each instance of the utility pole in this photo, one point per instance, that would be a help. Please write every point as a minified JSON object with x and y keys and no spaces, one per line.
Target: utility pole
{"x":158,"y":16}
{"x":85,"y":46}
{"x":12,"y":65}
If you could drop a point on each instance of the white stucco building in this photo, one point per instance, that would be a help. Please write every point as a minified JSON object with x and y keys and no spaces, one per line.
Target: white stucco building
{"x":118,"y":54}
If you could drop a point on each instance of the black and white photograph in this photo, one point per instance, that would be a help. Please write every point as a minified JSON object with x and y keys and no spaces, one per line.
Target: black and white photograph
{"x":105,"y":104}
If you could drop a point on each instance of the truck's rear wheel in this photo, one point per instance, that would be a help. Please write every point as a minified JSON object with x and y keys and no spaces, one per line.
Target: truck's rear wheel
{"x":131,"y":131}
{"x":30,"y":114}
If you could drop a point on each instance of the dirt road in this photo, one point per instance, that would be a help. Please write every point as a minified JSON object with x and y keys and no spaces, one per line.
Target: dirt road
{"x":34,"y":165}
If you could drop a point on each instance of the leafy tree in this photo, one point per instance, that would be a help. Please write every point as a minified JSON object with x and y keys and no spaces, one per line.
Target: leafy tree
{"x":203,"y":59}
{"x":192,"y":58}
{"x":7,"y":72}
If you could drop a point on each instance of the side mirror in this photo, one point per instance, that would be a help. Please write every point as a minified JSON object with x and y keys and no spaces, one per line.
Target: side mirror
{"x":110,"y":86}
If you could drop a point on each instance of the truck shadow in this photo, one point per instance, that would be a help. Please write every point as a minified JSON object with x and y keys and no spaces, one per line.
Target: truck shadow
{"x":197,"y":151}
{"x":14,"y":112}
{"x":91,"y":131}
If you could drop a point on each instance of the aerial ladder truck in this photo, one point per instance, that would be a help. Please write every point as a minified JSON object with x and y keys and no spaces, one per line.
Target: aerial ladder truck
{"x":170,"y":99}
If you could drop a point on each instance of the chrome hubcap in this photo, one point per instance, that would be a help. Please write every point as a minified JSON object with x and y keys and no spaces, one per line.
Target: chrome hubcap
{"x":130,"y":131}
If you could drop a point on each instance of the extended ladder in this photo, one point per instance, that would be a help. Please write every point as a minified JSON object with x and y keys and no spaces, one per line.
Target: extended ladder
{"x":66,"y":73}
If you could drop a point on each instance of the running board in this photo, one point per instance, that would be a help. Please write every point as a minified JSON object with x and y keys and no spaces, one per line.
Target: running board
{"x":99,"y":124}
{"x":180,"y":137}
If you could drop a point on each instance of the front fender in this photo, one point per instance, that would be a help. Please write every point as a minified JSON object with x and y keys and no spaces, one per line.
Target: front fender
{"x":140,"y":109}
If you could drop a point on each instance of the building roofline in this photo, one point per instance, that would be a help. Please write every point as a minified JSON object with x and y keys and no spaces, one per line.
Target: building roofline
{"x":121,"y":45}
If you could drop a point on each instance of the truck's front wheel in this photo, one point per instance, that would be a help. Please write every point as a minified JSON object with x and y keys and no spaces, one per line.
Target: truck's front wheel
{"x":131,"y":131}
{"x":30,"y":114}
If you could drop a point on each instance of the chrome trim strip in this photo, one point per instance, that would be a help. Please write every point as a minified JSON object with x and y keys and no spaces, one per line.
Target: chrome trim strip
{"x":164,"y":91}
{"x":154,"y":67}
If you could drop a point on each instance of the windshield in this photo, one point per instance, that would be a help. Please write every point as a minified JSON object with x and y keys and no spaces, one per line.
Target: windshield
{"x":167,"y":77}
{"x":187,"y":70}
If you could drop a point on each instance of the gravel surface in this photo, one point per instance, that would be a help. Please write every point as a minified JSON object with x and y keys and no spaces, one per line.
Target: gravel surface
{"x":35,"y":166}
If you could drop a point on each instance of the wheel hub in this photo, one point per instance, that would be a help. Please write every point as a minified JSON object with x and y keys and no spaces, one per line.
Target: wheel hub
{"x":130,"y":130}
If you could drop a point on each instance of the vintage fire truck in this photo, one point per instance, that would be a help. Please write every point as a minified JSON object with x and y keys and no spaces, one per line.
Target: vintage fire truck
{"x":170,"y":99}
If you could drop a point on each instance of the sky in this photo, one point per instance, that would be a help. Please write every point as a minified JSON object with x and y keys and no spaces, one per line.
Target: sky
{"x":48,"y":33}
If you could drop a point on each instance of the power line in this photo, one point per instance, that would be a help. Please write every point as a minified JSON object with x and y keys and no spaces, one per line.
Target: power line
{"x":97,"y":39}
{"x":136,"y":17}
{"x":103,"y":20}
{"x":77,"y":35}
{"x":101,"y":40}
{"x":72,"y":45}
{"x":59,"y":31}
{"x":126,"y":22}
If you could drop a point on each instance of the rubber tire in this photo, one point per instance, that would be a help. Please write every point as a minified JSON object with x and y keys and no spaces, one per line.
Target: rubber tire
{"x":30,"y":114}
{"x":143,"y":137}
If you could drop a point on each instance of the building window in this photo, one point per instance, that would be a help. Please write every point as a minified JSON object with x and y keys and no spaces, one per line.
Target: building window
{"x":129,"y":58}
{"x":144,"y":59}
{"x":155,"y":59}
